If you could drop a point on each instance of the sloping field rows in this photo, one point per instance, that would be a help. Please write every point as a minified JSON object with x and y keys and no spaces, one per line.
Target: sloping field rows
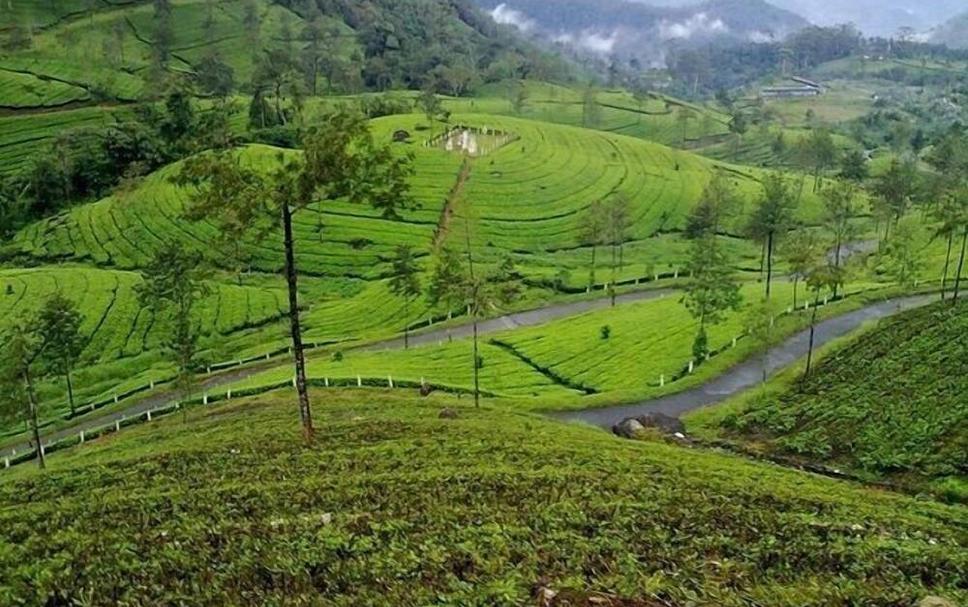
{"x":652,"y":118}
{"x":345,"y":240}
{"x":448,"y":365}
{"x":22,"y":136}
{"x":18,"y":91}
{"x":647,"y":342}
{"x":115,"y":324}
{"x":530,"y":195}
{"x":110,"y":51}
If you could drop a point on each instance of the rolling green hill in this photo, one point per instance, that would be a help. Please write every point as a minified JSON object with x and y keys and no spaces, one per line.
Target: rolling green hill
{"x":890,"y":405}
{"x":393,"y":506}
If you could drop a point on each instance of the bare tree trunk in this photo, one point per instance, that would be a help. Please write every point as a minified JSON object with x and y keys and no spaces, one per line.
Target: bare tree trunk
{"x":813,"y":327}
{"x":406,"y":323}
{"x":840,"y":244}
{"x":305,"y":413}
{"x":591,"y":277}
{"x":961,"y":265}
{"x":769,"y":263}
{"x":70,"y":392}
{"x":35,"y":426}
{"x":477,"y":367}
{"x":947,"y":263}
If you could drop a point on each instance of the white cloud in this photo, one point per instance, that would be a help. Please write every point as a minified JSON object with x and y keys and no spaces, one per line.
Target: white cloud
{"x":698,"y":24}
{"x":589,"y":40}
{"x":508,"y":16}
{"x":761,"y":37}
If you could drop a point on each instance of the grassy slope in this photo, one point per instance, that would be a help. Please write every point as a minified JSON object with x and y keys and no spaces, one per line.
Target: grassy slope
{"x":393,"y":506}
{"x":889,"y":405}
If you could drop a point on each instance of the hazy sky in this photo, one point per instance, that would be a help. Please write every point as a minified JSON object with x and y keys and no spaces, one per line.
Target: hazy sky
{"x":880,"y":17}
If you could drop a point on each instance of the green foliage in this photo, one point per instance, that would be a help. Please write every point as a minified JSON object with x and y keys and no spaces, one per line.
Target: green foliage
{"x":173,"y":285}
{"x":890,"y":404}
{"x":711,"y":291}
{"x":394,"y":506}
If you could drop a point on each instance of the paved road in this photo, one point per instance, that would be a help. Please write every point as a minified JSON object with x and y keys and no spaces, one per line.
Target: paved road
{"x":747,"y":374}
{"x":502,"y":323}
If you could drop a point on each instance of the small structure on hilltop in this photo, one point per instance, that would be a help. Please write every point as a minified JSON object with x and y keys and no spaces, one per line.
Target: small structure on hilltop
{"x":401,"y":136}
{"x":805,"y":88}
{"x":472,"y":141}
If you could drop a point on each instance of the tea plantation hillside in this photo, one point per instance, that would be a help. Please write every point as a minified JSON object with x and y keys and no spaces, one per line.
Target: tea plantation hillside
{"x":393,"y":506}
{"x":891,"y":405}
{"x":527,"y":197}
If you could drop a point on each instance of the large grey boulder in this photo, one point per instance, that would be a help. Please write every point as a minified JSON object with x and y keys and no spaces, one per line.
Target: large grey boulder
{"x":666,"y":424}
{"x":628,"y":428}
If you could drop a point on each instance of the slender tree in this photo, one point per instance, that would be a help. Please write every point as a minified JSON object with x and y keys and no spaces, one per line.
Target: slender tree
{"x":901,"y":254}
{"x":173,"y":285}
{"x":58,"y":327}
{"x":894,"y":192}
{"x":822,"y":277}
{"x":821,"y":152}
{"x":340,"y":160}
{"x":772,"y":218}
{"x":591,"y":233}
{"x":405,"y":283}
{"x":802,"y":251}
{"x":18,"y":398}
{"x":839,"y":210}
{"x":714,"y":209}
{"x":617,"y":222}
{"x":711,"y":290}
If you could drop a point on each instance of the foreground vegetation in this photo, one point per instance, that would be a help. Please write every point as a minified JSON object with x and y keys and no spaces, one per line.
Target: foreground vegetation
{"x":888,"y":406}
{"x":392,"y":505}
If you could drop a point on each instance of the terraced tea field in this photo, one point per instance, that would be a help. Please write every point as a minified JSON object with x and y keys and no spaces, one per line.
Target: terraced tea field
{"x":653,"y":117}
{"x":108,"y":53}
{"x":889,"y":405}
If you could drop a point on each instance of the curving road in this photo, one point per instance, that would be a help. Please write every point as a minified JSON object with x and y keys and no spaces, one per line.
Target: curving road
{"x":736,"y":379}
{"x":502,"y":323}
{"x":749,"y":373}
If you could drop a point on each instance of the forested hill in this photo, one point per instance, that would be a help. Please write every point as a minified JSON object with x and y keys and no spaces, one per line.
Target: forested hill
{"x":624,"y":27}
{"x":954,"y":33}
{"x":118,"y":51}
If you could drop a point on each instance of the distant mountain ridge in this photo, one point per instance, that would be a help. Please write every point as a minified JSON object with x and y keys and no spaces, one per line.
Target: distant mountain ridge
{"x":873,"y":17}
{"x":630,"y":28}
{"x":954,"y":33}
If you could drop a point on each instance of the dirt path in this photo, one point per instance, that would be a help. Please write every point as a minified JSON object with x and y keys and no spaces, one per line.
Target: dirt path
{"x":749,"y":373}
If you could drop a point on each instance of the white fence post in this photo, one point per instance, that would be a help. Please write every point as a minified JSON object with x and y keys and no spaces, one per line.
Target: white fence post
{"x":149,"y":415}
{"x":228,"y":395}
{"x":293,"y":381}
{"x":117,"y":425}
{"x":82,"y":436}
{"x":734,"y":342}
{"x":676,"y":274}
{"x":662,"y":380}
{"x":326,"y":381}
{"x":359,"y":381}
{"x":208,"y":369}
{"x":390,"y":380}
{"x":692,"y":365}
{"x":115,"y":398}
{"x":151,"y":386}
{"x":6,"y":462}
{"x":205,"y":399}
{"x":267,"y":356}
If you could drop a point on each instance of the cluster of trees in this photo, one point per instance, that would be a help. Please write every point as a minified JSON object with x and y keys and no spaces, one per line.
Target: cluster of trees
{"x":43,"y":344}
{"x":702,"y":71}
{"x":87,"y":163}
